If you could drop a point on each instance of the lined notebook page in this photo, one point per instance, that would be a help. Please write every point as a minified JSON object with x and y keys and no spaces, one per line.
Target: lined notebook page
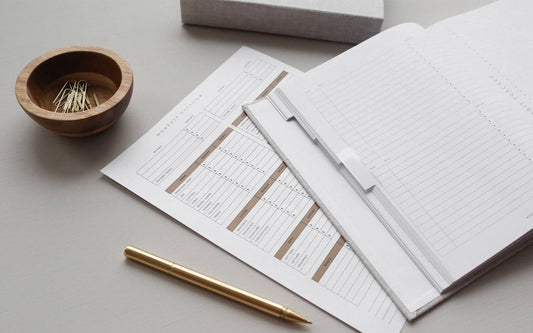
{"x":450,"y":149}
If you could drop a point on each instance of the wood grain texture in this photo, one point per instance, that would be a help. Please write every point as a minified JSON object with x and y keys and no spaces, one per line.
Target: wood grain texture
{"x":106,"y":71}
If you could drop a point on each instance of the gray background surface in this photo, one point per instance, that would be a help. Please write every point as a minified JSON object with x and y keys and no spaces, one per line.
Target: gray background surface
{"x":63,"y":226}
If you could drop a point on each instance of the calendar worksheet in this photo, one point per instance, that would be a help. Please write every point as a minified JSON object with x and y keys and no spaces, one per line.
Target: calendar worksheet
{"x":207,"y":165}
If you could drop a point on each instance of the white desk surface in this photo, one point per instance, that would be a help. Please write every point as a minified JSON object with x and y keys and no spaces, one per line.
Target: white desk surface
{"x":63,"y":226}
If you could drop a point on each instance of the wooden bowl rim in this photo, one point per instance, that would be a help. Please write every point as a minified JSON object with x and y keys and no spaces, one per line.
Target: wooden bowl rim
{"x":27,"y":104}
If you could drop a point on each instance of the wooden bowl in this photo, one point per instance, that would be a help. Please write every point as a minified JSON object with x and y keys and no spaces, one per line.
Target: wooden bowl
{"x":105,"y":71}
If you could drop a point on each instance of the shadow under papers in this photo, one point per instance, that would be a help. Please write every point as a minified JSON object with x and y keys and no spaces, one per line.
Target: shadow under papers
{"x":486,"y":299}
{"x":259,"y":40}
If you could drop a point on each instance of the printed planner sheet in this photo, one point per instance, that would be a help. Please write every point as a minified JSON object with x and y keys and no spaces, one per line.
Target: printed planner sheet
{"x":206,"y":165}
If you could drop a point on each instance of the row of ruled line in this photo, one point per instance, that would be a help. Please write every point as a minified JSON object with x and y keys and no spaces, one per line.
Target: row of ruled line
{"x":442,"y":159}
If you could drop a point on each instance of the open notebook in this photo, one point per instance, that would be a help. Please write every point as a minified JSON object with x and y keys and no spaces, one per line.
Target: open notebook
{"x":418,"y":144}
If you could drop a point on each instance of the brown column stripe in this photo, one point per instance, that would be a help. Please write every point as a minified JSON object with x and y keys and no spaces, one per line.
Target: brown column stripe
{"x":329,"y":259}
{"x":296,"y":232}
{"x":265,"y":92}
{"x":272,"y":85}
{"x":221,"y":138}
{"x":199,"y":161}
{"x":257,"y":196}
{"x":239,"y":119}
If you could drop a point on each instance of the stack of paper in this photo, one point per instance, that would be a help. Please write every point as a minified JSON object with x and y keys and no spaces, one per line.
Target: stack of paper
{"x":207,"y":165}
{"x":421,"y":144}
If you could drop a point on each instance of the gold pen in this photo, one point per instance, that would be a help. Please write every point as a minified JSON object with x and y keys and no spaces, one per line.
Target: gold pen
{"x":213,"y":285}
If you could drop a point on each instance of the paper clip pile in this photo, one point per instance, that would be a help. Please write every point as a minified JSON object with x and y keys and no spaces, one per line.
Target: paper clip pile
{"x":73,"y":97}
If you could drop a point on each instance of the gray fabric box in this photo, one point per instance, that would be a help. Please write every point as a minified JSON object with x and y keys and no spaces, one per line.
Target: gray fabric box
{"x":349,"y":21}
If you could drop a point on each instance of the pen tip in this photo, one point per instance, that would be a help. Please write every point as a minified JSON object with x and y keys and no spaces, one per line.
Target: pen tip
{"x":291,"y":315}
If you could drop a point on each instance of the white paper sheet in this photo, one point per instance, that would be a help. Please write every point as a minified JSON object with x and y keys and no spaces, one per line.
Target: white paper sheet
{"x":351,"y":214}
{"x":442,"y":120}
{"x":207,"y":165}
